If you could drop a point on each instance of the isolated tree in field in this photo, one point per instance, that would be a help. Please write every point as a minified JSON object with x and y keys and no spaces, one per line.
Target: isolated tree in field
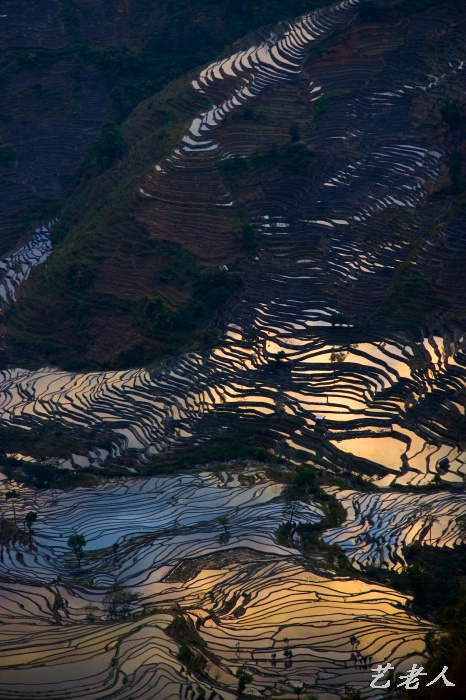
{"x":352,"y":693}
{"x":77,"y":543}
{"x":223,"y":520}
{"x":29,"y":520}
{"x":298,"y":689}
{"x":12,"y":495}
{"x":243,"y":679}
{"x":461,"y":522}
{"x":118,"y":602}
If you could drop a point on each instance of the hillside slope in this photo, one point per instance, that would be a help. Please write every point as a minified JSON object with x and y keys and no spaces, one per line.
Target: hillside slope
{"x":335,"y":125}
{"x":69,"y":66}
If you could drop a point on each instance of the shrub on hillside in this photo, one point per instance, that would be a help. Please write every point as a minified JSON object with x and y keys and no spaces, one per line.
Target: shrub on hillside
{"x":109,"y":146}
{"x":451,"y":112}
{"x":7,"y":154}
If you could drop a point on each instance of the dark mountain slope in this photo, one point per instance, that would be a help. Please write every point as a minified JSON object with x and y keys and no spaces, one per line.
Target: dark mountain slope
{"x":68,"y":66}
{"x":119,"y":289}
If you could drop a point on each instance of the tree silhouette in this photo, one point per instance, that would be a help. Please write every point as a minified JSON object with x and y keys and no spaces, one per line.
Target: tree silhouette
{"x":118,"y":602}
{"x":451,"y":112}
{"x":294,"y":132}
{"x":243,"y":678}
{"x":429,"y":521}
{"x":461,"y":522}
{"x":223,"y":520}
{"x":29,"y":519}
{"x":76,"y":543}
{"x":13,"y":495}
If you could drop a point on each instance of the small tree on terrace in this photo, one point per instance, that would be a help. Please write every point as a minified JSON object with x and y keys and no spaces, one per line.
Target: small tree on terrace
{"x":243,"y":678}
{"x":77,"y":543}
{"x":461,"y":522}
{"x":223,"y":520}
{"x":29,"y":519}
{"x":119,"y":603}
{"x":12,"y":495}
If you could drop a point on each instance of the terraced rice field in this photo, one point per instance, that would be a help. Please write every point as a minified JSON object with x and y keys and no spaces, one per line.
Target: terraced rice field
{"x":329,"y":247}
{"x":248,"y":598}
{"x":383,"y":397}
{"x":379,"y":525}
{"x":15,"y":269}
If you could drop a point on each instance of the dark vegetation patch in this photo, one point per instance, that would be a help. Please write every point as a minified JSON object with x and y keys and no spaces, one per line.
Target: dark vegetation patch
{"x":193,"y":652}
{"x":405,"y":8}
{"x":294,"y":157}
{"x":447,"y":647}
{"x":410,"y":297}
{"x":47,"y":445}
{"x":44,"y":475}
{"x":98,"y":224}
{"x":307,"y":483}
{"x":434,"y":576}
{"x":48,"y":441}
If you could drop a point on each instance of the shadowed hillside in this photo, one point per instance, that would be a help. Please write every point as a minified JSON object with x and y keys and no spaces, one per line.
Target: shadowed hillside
{"x":69,"y":66}
{"x":356,"y":122}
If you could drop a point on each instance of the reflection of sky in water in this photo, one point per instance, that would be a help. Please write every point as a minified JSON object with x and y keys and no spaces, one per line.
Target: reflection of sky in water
{"x":384,"y":450}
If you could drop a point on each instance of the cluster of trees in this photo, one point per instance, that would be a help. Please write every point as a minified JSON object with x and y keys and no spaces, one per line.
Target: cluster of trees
{"x":118,"y":603}
{"x":109,"y":146}
{"x":79,"y":274}
{"x":452,"y":113}
{"x":210,"y":289}
{"x":293,"y":157}
{"x":447,"y":648}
